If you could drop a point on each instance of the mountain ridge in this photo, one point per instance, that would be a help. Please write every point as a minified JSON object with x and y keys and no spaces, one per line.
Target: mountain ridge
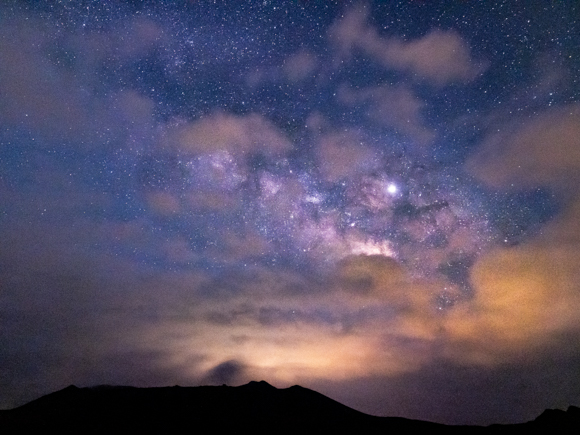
{"x":257,"y":407}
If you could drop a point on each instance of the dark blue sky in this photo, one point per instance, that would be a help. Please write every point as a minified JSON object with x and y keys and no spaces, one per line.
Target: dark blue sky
{"x":375,"y":200}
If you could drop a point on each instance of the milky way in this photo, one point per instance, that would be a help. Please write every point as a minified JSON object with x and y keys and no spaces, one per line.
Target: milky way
{"x":379,"y":201}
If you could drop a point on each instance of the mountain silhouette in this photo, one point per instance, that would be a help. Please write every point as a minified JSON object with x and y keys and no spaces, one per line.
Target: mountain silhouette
{"x":255,"y":408}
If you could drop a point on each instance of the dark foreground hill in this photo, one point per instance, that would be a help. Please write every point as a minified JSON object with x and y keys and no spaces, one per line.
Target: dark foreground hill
{"x":254,"y":408}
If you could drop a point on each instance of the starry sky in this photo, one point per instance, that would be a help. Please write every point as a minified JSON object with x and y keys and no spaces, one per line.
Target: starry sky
{"x":378,"y":201}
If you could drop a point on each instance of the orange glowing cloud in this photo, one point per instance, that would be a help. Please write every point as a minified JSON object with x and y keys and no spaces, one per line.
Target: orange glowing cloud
{"x":291,"y":336}
{"x":369,"y":317}
{"x":375,"y":275}
{"x":526,"y":297}
{"x":542,"y":151}
{"x":237,"y":135}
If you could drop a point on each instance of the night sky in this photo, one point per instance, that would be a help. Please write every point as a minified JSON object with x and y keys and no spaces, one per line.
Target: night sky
{"x":378,"y":201}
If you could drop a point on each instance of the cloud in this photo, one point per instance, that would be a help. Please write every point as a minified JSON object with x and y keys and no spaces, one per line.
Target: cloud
{"x":375,"y":275}
{"x":134,"y":108}
{"x":36,"y":92}
{"x":440,"y":57}
{"x":351,"y":30}
{"x":296,"y":68}
{"x":343,"y":155}
{"x":369,"y":315}
{"x":238,"y":135}
{"x":220,"y":171}
{"x":525,"y":299}
{"x":208,"y":201}
{"x":370,"y":318}
{"x":59,"y":310}
{"x":178,"y":251}
{"x":391,"y":106}
{"x":139,"y":36}
{"x":234,"y":247}
{"x":281,"y":199}
{"x":282,"y":350}
{"x":128,"y":41}
{"x":48,"y":80}
{"x":316,"y":123}
{"x":544,"y":150}
{"x":228,"y":372}
{"x":300,"y":65}
{"x":525,"y":302}
{"x":406,"y":313}
{"x":163,"y":203}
